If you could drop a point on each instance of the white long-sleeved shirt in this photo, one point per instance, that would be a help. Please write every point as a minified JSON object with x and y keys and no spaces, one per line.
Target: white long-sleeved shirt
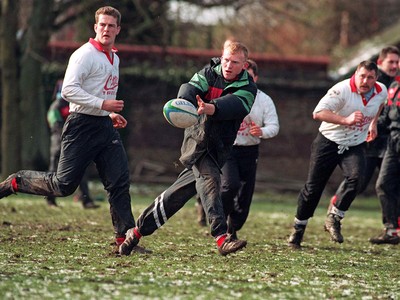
{"x":343,"y":99}
{"x":91,"y":77}
{"x":263,"y":113}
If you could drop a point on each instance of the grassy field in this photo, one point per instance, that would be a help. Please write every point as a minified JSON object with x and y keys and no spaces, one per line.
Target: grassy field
{"x":66,"y":253}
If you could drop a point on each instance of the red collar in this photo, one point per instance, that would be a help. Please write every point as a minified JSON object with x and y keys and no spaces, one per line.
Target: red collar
{"x":353,"y":86}
{"x":99,"y":47}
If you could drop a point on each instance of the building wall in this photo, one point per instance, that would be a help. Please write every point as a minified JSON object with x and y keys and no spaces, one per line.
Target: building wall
{"x":154,"y":145}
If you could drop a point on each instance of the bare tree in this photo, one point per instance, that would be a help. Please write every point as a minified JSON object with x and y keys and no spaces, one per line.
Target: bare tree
{"x":34,"y":132}
{"x":10,"y":145}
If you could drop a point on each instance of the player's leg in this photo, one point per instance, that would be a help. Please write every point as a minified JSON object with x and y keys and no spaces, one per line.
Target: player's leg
{"x":55,"y":149}
{"x":352,"y":164}
{"x":201,"y":214}
{"x":163,"y":207}
{"x":387,"y":189}
{"x":112,"y":166}
{"x":372,"y":163}
{"x":323,"y":161}
{"x":77,"y":150}
{"x":230,"y":182}
{"x":167,"y":203}
{"x":208,"y":186}
{"x":84,"y":194}
{"x":247,"y":168}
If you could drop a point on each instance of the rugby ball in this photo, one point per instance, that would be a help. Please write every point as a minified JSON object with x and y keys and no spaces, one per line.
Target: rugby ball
{"x":180,"y":113}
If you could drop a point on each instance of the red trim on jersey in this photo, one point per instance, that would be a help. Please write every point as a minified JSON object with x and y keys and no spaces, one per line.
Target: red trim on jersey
{"x":99,"y":47}
{"x":353,"y":88}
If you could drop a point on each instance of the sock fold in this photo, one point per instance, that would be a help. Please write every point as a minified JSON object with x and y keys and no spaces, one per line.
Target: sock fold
{"x":220,"y":239}
{"x":300,"y":222}
{"x":14,"y":185}
{"x":137,"y":233}
{"x":119,"y":241}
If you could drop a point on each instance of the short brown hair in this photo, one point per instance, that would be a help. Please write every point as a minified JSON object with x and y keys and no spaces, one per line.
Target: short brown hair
{"x":252,"y":65}
{"x":110,"y":11}
{"x":368,"y":65}
{"x":388,"y":50}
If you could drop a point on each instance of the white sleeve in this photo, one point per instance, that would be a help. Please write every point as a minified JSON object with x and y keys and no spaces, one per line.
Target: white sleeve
{"x":270,"y":126}
{"x":77,"y":72}
{"x":334,"y":100}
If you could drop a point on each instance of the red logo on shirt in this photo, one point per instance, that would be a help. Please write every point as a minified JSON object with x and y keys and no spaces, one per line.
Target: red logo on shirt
{"x":111,"y":83}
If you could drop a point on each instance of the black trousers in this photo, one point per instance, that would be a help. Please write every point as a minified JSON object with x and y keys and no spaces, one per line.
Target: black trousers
{"x":388,"y":184}
{"x":203,"y":179}
{"x":323,"y":161}
{"x":85,"y":139}
{"x":372,"y":163}
{"x":238,"y":182}
{"x":55,"y":150}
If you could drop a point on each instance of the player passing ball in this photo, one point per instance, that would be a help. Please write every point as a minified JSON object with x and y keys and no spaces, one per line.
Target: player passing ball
{"x":205,"y":147}
{"x":204,"y":108}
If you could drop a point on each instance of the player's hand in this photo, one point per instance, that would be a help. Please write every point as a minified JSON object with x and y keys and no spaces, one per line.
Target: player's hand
{"x":113,"y":105}
{"x":354,"y":118}
{"x":372,"y":132}
{"x":118,"y":120}
{"x":204,"y":108}
{"x":255,"y":130}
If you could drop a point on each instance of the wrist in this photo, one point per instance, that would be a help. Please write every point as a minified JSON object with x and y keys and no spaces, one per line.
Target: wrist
{"x":210,"y":108}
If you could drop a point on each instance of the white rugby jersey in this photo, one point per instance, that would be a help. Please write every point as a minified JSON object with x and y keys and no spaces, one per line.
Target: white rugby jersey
{"x":263,"y":114}
{"x":343,"y":99}
{"x":91,"y":77}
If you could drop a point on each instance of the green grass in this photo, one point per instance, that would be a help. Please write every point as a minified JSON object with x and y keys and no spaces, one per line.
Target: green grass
{"x":66,"y":253}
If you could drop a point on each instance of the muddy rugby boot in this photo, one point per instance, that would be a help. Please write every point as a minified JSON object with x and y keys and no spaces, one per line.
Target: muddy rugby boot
{"x":385,"y":238}
{"x":333,"y":226}
{"x":296,"y":237}
{"x":231,"y":245}
{"x":130,"y":242}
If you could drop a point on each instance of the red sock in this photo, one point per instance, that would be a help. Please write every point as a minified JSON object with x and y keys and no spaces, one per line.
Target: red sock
{"x":136,"y":232}
{"x":333,"y":200}
{"x":221,"y":240}
{"x":14,"y":185}
{"x":119,"y":241}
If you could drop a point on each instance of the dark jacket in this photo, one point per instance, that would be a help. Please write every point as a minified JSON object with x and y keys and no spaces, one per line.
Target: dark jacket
{"x":214,"y":135}
{"x":391,"y":114}
{"x":377,"y":147}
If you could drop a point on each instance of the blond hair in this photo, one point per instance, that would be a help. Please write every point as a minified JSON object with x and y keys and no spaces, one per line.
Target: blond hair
{"x":237,"y":47}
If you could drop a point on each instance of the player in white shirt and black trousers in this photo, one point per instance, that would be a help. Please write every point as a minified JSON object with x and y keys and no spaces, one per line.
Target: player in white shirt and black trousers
{"x":239,"y":171}
{"x":90,"y":131}
{"x":349,"y":113}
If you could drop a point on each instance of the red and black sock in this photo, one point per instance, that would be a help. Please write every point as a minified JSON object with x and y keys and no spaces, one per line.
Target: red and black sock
{"x":221,"y":239}
{"x":14,"y":185}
